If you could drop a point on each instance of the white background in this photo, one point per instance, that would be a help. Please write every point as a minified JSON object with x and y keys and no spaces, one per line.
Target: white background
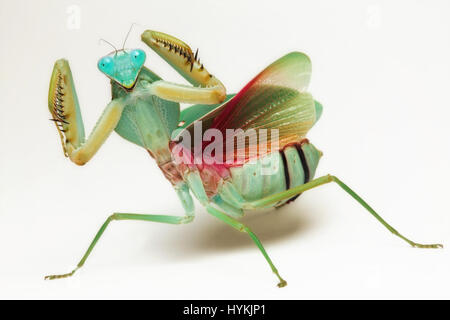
{"x":381,"y":70}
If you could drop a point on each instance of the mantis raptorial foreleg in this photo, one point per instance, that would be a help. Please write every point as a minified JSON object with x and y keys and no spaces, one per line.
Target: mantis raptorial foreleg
{"x":64,"y":107}
{"x":188,"y":205}
{"x":206,"y":89}
{"x":327,"y":179}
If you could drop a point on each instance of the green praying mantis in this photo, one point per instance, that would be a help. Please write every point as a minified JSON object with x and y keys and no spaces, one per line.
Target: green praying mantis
{"x":266,"y":172}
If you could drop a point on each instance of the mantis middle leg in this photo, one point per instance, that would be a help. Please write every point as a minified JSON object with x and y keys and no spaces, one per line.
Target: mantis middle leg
{"x":186,"y":200}
{"x":327,"y":179}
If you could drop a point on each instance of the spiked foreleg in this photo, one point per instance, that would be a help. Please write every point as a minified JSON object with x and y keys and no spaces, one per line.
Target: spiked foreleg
{"x":65,"y":110}
{"x":207,"y":88}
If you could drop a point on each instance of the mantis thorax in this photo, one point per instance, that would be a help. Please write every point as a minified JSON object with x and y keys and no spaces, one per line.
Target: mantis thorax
{"x":147,"y":120}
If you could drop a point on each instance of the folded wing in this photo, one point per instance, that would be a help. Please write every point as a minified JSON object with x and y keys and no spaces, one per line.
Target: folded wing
{"x":276,"y":99}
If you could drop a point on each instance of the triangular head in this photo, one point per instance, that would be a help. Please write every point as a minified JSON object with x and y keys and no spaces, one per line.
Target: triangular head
{"x":123,"y":66}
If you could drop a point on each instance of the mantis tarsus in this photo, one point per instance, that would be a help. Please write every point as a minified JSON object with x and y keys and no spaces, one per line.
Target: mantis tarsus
{"x":145,"y":110}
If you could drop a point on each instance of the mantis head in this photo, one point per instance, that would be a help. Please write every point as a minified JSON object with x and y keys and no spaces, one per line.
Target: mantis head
{"x":123,"y":66}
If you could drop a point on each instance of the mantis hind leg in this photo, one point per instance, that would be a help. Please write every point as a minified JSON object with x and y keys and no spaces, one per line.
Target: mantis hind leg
{"x":327,"y":179}
{"x":123,"y":216}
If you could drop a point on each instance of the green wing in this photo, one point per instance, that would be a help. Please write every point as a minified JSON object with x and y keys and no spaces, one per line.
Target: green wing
{"x":275,"y":99}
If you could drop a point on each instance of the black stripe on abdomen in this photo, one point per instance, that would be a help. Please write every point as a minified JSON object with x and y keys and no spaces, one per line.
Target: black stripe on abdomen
{"x":304,"y":163}
{"x":301,"y":154}
{"x":287,"y":178}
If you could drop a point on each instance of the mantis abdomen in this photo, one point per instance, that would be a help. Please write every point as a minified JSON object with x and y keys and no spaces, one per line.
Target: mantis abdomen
{"x":276,"y":172}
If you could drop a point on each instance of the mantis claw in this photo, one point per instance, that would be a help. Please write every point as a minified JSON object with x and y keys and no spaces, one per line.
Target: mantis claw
{"x":60,"y":276}
{"x":427,"y":246}
{"x":282,"y":284}
{"x":63,"y":106}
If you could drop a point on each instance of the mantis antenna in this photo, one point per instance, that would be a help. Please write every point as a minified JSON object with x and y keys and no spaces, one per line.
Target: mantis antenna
{"x":115,"y":49}
{"x":126,"y":38}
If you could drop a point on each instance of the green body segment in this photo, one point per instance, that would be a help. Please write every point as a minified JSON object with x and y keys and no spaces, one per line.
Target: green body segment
{"x":255,"y":180}
{"x":274,"y":173}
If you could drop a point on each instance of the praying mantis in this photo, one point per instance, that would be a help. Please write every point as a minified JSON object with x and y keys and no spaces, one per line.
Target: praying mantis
{"x":145,"y":110}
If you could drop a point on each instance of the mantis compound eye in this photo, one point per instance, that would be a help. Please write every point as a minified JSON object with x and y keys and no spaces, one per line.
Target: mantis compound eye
{"x":138,"y":57}
{"x":106,"y":65}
